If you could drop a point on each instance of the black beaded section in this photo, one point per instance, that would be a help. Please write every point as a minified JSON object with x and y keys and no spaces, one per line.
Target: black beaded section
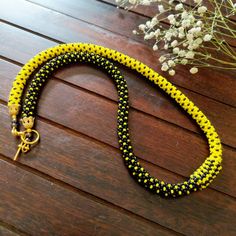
{"x":131,"y":161}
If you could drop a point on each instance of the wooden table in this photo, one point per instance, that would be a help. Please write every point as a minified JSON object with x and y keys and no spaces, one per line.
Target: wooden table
{"x":75,"y":182}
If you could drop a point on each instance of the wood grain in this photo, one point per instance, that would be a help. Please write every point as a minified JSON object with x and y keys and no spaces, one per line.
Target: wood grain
{"x":74,"y":182}
{"x":33,"y":205}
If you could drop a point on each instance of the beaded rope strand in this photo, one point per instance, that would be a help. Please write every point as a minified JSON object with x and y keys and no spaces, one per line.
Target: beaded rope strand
{"x":67,"y":53}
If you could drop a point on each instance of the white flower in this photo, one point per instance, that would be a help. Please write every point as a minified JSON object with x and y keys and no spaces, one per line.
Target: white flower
{"x":171,"y":17}
{"x":172,"y":22}
{"x":207,"y":37}
{"x":155,"y":47}
{"x":191,"y":31}
{"x":157,"y":32}
{"x":194,"y":46}
{"x":180,"y":35}
{"x":181,"y":32}
{"x":189,"y":28}
{"x":195,"y":30}
{"x":181,"y":29}
{"x":164,"y":67}
{"x":184,"y":15}
{"x":148,"y":23}
{"x":186,"y":23}
{"x":176,"y":50}
{"x":161,"y":8}
{"x":145,"y":2}
{"x":198,"y":41}
{"x":191,"y":18}
{"x":166,"y":46}
{"x":189,"y":37}
{"x":174,"y":32}
{"x":179,"y":7}
{"x":174,"y":43}
{"x":181,"y":53}
{"x":142,"y":27}
{"x":189,"y":55}
{"x":193,"y":70}
{"x":201,"y":9}
{"x":190,"y":47}
{"x":168,"y":35}
{"x":154,"y":21}
{"x":199,"y":23}
{"x":149,"y":36}
{"x":171,"y":63}
{"x":162,"y":59}
{"x":184,"y":61}
{"x":172,"y":72}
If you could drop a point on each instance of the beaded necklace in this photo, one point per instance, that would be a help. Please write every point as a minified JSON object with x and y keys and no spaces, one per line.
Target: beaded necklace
{"x":64,"y":54}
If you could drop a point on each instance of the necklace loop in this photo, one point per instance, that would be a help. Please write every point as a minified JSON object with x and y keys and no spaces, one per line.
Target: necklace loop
{"x":64,"y":54}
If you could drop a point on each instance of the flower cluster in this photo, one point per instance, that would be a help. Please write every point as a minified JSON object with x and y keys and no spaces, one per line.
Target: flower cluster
{"x":135,"y":2}
{"x":190,"y":34}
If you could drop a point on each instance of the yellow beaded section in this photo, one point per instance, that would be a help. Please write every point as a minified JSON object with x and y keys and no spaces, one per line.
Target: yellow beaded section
{"x":202,"y":174}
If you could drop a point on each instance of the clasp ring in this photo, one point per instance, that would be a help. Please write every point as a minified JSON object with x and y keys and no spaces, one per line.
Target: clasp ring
{"x":25,"y":144}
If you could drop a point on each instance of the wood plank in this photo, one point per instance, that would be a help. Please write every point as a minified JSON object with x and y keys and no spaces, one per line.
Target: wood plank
{"x":125,"y":21}
{"x":78,"y":171}
{"x":88,"y":11}
{"x":33,"y":205}
{"x":167,"y":140}
{"x":144,"y":96}
{"x":98,"y":169}
{"x":67,"y":29}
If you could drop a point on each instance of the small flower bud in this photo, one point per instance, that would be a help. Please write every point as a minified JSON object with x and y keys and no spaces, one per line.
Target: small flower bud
{"x":193,"y":70}
{"x":155,"y":47}
{"x":172,"y":72}
{"x":164,"y":67}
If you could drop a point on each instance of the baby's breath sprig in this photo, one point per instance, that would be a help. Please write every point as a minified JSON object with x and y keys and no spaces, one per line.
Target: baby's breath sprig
{"x":194,"y":35}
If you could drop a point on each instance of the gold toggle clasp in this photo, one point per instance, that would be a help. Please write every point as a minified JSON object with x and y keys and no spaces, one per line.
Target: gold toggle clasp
{"x":25,"y":144}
